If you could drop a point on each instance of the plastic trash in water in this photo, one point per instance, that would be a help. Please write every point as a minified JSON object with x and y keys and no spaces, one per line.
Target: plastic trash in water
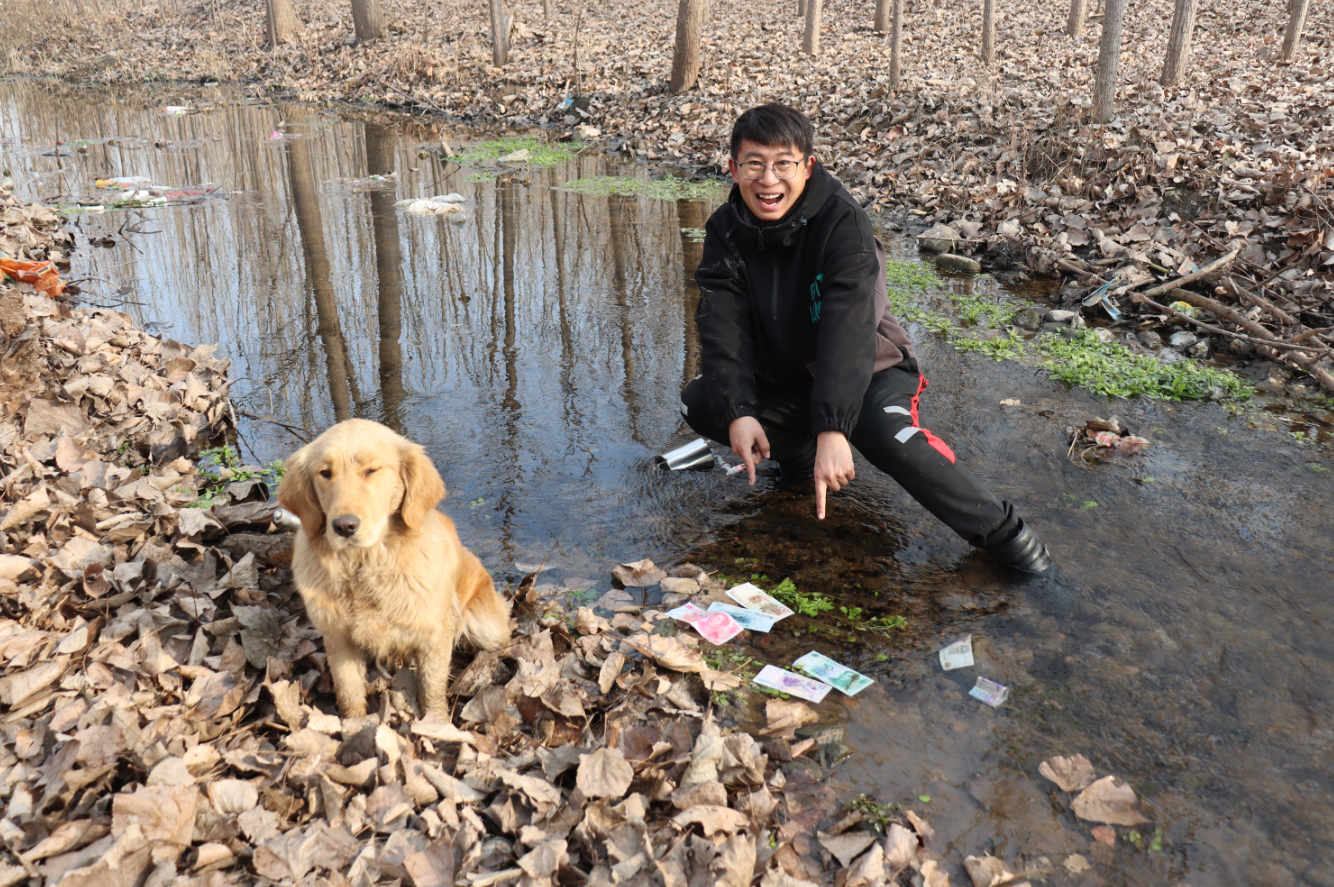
{"x":175,"y":110}
{"x":695,"y":454}
{"x":123,"y":183}
{"x":957,"y":655}
{"x":284,"y":518}
{"x":42,"y":275}
{"x":990,"y":692}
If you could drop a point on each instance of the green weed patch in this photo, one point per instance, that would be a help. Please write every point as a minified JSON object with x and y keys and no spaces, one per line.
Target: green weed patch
{"x":540,"y":153}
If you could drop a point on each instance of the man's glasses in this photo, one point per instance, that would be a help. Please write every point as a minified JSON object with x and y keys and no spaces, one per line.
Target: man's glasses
{"x":784,"y":169}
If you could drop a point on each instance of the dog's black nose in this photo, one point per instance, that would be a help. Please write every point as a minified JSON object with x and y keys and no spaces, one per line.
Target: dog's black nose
{"x":346,"y":526}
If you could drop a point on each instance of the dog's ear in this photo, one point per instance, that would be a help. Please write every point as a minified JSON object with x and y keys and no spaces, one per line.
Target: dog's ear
{"x":422,"y":485}
{"x":296,"y":493}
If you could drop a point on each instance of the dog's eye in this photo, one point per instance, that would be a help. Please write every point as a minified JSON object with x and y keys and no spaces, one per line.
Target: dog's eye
{"x":326,"y":473}
{"x":370,"y":471}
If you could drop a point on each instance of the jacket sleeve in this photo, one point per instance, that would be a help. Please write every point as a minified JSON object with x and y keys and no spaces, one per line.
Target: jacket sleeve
{"x":846,"y":343}
{"x":723,"y":320}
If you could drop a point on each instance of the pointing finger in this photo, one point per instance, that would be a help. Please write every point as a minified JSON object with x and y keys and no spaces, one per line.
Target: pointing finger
{"x":819,"y":499}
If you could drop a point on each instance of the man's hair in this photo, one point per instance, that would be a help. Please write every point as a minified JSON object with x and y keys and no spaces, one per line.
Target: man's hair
{"x":774,"y":126}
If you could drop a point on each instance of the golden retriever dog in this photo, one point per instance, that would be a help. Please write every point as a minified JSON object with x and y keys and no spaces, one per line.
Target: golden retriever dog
{"x":383,"y":573}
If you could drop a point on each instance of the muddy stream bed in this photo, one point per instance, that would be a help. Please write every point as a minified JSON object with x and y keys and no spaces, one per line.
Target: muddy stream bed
{"x":536,"y":348}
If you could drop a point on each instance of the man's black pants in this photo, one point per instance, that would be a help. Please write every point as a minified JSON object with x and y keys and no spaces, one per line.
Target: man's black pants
{"x":888,"y":434}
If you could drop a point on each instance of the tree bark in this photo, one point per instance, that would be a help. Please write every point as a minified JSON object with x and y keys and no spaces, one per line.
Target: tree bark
{"x":281,"y":21}
{"x":882,"y":16}
{"x":367,"y":20}
{"x":810,"y":41}
{"x":1292,"y":37}
{"x":895,"y":45}
{"x":1109,"y":57}
{"x":689,"y":32}
{"x":1078,"y":12}
{"x":801,"y":8}
{"x":500,"y":38}
{"x":546,"y":10}
{"x":1178,"y":45}
{"x":988,"y":31}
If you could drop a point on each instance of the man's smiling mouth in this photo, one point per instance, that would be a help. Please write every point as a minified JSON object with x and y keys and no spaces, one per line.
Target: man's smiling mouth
{"x":769,"y":201}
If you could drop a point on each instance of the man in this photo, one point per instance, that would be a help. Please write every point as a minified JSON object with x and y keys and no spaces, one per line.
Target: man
{"x":802,"y":359}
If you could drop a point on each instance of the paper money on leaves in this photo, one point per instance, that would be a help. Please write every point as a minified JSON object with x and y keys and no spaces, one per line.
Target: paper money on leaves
{"x":784,"y":681}
{"x":753,"y":597}
{"x":845,"y":679}
{"x":749,"y":619}
{"x":716,"y":628}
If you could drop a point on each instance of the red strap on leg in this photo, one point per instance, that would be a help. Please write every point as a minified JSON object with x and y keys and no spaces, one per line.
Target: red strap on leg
{"x":939,"y":445}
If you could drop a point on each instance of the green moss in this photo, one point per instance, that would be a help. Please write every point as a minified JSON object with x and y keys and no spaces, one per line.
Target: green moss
{"x":910,"y":276}
{"x":541,"y":153}
{"x":1112,"y":369}
{"x":1007,"y":347}
{"x":656,"y":189}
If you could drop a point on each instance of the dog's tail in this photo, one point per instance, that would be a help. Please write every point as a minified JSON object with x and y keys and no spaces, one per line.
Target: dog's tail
{"x":486,"y":619}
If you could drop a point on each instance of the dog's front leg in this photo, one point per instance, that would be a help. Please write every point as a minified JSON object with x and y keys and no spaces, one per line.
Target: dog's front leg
{"x":347,"y":666}
{"x":433,"y":681}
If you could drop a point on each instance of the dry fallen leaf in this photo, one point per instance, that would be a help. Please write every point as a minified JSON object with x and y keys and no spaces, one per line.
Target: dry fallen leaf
{"x":604,"y":773}
{"x":1070,"y":774}
{"x":1108,"y":800}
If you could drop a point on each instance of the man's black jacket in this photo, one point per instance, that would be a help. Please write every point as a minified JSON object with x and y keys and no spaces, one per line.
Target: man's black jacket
{"x":800,"y":302}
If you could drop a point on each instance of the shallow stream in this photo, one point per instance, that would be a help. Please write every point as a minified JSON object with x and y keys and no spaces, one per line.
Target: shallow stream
{"x":536,"y":349}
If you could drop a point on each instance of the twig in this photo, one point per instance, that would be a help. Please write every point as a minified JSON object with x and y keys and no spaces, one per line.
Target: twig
{"x":1143,"y":299}
{"x":1193,"y":276}
{"x":488,"y":880}
{"x":299,"y":433}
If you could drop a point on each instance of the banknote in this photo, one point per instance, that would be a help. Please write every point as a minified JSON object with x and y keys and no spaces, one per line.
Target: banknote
{"x":716,"y":628}
{"x":957,"y":655}
{"x":990,"y":692}
{"x":776,"y":678}
{"x":749,"y":619}
{"x":817,"y":665}
{"x":753,"y":598}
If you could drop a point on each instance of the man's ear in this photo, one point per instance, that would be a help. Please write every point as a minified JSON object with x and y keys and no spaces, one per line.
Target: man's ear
{"x":422,"y":485}
{"x":296,"y":493}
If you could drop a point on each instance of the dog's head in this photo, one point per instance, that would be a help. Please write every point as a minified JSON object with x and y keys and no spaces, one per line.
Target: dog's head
{"x":349,"y":484}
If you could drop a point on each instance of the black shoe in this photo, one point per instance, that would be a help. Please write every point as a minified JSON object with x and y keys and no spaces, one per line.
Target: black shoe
{"x":1024,"y":551}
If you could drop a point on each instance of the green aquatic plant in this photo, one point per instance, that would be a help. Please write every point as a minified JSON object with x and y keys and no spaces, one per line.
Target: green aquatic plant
{"x":1112,"y":369}
{"x":806,"y":603}
{"x":668,"y":188}
{"x":539,"y":153}
{"x":1008,"y":347}
{"x":219,"y":467}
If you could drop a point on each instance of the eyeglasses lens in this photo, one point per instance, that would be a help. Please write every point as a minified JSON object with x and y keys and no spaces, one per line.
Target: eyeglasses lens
{"x":784,"y":169}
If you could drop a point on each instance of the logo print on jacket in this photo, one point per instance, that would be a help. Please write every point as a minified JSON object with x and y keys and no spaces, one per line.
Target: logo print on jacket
{"x":816,"y":299}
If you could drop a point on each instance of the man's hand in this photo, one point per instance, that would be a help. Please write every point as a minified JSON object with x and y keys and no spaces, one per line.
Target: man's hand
{"x":748,"y":442}
{"x":833,"y":466}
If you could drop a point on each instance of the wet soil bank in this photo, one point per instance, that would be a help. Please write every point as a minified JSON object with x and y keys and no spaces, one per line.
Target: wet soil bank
{"x":536,"y":350}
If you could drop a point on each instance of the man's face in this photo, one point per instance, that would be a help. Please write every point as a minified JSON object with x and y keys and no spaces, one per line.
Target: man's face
{"x":770,"y":197}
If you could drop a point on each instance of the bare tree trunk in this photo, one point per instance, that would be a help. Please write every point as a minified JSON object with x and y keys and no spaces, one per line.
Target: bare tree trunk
{"x":895,"y":45}
{"x":1078,"y":12}
{"x":1109,"y":56}
{"x":546,"y":10}
{"x":810,"y":41}
{"x":881,"y":16}
{"x":689,"y":31}
{"x":1178,"y":45}
{"x":1296,"y":21}
{"x":367,"y":20}
{"x":801,"y":8}
{"x":282,"y":22}
{"x":500,"y":38}
{"x":988,"y":31}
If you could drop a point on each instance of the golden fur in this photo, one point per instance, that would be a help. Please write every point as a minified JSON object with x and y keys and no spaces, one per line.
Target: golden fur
{"x":382,"y":572}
